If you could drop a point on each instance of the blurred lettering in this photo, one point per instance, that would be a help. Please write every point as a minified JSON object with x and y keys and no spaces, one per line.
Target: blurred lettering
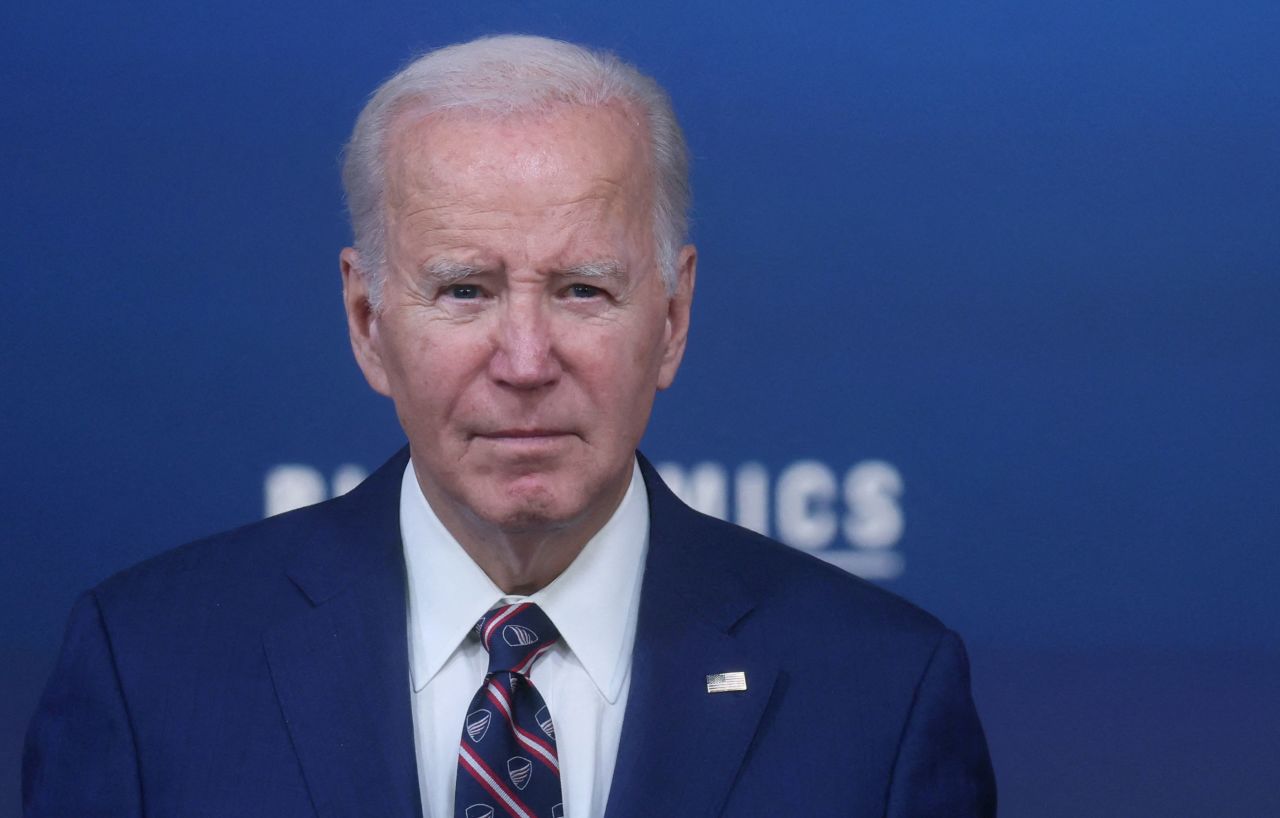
{"x":852,"y":520}
{"x":294,"y":485}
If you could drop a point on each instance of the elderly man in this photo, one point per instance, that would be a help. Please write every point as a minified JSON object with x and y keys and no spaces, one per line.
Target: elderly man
{"x":514,"y":616}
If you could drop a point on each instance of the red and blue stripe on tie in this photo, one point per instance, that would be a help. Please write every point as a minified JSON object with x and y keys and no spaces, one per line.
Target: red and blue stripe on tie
{"x":507,"y":764}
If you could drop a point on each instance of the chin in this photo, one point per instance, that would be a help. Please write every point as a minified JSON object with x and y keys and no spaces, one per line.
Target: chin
{"x":545,"y":500}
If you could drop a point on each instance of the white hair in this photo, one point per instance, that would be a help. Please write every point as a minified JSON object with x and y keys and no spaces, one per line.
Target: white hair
{"x":503,"y":76}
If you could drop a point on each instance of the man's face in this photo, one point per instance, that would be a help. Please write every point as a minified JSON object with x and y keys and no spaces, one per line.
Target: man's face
{"x":525,"y":328}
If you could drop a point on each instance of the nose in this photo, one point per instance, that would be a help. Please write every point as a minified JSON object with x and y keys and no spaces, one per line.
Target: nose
{"x":524,"y":356}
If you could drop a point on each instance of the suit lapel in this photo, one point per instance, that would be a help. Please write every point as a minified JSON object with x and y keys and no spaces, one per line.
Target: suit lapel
{"x":681,"y":746}
{"x":341,"y":670}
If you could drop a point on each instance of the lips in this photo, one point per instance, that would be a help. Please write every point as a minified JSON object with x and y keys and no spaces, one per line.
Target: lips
{"x":525,"y":433}
{"x":526,"y":445}
{"x":526,"y":441}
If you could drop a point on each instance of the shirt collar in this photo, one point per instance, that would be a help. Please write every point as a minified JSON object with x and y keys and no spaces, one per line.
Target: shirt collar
{"x":593,"y":603}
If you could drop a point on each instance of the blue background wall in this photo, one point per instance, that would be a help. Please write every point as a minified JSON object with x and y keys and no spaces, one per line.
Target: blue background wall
{"x":1026,"y":254}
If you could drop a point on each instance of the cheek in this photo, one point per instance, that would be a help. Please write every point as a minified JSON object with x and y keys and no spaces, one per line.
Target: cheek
{"x":619,"y":369}
{"x":430,"y":369}
{"x":404,"y":352}
{"x":645,"y":342}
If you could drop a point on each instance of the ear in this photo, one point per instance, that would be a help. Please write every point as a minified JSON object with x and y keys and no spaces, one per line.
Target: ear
{"x":678,"y":308}
{"x":362,"y":321}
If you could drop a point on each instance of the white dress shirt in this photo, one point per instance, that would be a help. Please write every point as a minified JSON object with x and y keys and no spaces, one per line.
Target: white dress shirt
{"x":584,"y":679}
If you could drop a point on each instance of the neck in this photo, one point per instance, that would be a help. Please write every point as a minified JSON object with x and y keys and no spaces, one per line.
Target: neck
{"x":524,"y":564}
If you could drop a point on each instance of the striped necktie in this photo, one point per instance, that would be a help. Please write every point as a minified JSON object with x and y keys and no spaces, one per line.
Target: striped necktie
{"x":507,"y":764}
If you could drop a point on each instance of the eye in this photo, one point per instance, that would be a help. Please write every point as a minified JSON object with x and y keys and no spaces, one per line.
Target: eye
{"x":463,"y":292}
{"x":583,"y":291}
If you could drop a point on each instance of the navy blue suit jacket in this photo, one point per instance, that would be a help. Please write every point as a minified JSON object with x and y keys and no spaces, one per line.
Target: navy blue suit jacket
{"x":264,"y":672}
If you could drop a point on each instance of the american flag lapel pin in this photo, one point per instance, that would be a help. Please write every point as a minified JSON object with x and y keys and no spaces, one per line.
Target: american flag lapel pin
{"x":726,"y":682}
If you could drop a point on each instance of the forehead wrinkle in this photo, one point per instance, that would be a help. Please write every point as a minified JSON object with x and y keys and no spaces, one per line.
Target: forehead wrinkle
{"x":454,"y":193}
{"x":422,"y":161}
{"x":443,"y":195}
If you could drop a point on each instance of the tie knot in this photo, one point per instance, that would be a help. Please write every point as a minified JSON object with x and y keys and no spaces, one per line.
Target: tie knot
{"x":516,"y":635}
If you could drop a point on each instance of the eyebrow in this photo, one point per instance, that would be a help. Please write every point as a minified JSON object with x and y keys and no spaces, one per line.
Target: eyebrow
{"x":444,"y":271}
{"x":607,"y":269}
